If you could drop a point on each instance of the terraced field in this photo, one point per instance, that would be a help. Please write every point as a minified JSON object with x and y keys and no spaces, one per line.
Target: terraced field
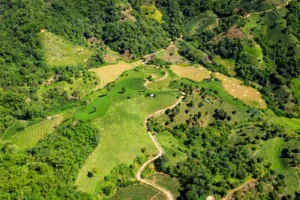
{"x":33,"y":134}
{"x":120,"y":117}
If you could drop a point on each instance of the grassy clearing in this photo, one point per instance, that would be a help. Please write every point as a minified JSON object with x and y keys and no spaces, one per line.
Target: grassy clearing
{"x":110,"y":73}
{"x":137,"y":192}
{"x":296,"y":88}
{"x":171,"y":147}
{"x":194,"y":73}
{"x":252,"y":48}
{"x":247,"y":94}
{"x":83,"y":87}
{"x":33,"y":134}
{"x":271,"y":152}
{"x":205,"y":21}
{"x":271,"y":25}
{"x":150,"y":11}
{"x":167,"y":182}
{"x":171,"y":55}
{"x":229,"y":64}
{"x":60,"y":52}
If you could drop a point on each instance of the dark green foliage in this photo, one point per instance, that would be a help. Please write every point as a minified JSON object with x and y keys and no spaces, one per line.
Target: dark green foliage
{"x":140,"y":38}
{"x":211,"y":155}
{"x":48,"y":171}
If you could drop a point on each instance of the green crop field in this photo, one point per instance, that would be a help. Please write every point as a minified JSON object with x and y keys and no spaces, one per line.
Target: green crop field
{"x":167,"y":182}
{"x":59,"y":52}
{"x":17,"y":126}
{"x":33,"y":134}
{"x":138,"y":192}
{"x":122,"y":130}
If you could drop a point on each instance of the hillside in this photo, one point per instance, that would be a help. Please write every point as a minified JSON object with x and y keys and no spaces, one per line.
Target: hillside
{"x":150,"y":99}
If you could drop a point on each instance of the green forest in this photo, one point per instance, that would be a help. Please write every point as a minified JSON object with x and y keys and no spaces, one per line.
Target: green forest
{"x":78,"y":79}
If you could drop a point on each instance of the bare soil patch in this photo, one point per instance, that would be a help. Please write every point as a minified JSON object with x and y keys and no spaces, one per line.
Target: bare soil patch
{"x":235,"y":33}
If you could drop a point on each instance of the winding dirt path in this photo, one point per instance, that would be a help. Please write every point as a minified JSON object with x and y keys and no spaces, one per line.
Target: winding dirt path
{"x":166,"y":192}
{"x":161,"y":79}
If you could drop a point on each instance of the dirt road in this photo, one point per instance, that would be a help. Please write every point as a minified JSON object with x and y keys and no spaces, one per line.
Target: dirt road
{"x":166,"y":192}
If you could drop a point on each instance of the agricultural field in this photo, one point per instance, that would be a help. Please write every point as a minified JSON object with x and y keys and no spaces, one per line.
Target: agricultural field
{"x":17,"y":126}
{"x":167,"y":182}
{"x":195,"y":73}
{"x":205,"y":21}
{"x":121,"y":126}
{"x":59,"y":52}
{"x":135,"y":192}
{"x":110,"y":73}
{"x":232,"y":85}
{"x":236,"y":88}
{"x":31,"y":135}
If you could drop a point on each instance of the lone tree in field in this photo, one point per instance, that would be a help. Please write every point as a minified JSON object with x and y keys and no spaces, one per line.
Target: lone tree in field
{"x":123,"y":89}
{"x":95,"y":108}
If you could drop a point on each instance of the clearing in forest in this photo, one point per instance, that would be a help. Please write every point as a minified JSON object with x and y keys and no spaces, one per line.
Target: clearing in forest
{"x":194,"y":73}
{"x":247,"y":94}
{"x":110,"y":73}
{"x":227,"y":63}
{"x":271,"y":153}
{"x":205,"y":21}
{"x":149,"y":10}
{"x":59,"y":52}
{"x":30,"y":136}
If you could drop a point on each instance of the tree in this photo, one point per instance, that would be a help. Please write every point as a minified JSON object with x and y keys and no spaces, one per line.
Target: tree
{"x":123,"y":89}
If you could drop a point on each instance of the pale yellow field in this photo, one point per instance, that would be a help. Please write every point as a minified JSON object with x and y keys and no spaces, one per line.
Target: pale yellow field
{"x":110,"y":73}
{"x":232,"y":86}
{"x":33,"y":134}
{"x":235,"y":88}
{"x":191,"y":72}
